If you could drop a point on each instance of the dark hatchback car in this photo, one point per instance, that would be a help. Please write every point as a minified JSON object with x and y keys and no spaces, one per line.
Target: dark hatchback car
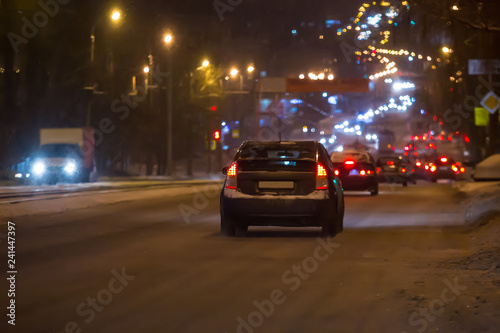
{"x":444,"y":168}
{"x":356,"y":170}
{"x":289,"y":184}
{"x":396,"y":170}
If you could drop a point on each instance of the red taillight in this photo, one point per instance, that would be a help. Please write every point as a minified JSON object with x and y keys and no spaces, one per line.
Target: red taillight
{"x":378,"y":169}
{"x":462,"y":170}
{"x":231,"y":176}
{"x":407,"y":148}
{"x":403,"y":170}
{"x":426,"y":167}
{"x":454,"y":168}
{"x":450,"y":138}
{"x":337,"y":172}
{"x":349,"y":162}
{"x":418,"y":164}
{"x":321,"y":171}
{"x":231,"y":172}
{"x":443,"y":159}
{"x":466,"y":139}
{"x":362,"y":172}
{"x":433,"y":168}
{"x":390,"y":162}
{"x":369,"y":172}
{"x":416,"y":138}
{"x":321,"y":179}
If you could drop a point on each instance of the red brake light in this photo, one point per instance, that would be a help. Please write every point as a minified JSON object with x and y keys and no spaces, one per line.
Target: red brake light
{"x":426,"y":167}
{"x":349,"y":162}
{"x":403,"y":170}
{"x":231,"y":176}
{"x":231,"y":172}
{"x":321,"y":180}
{"x":418,"y":164}
{"x":378,"y":169}
{"x":390,"y":162}
{"x":443,"y":159}
{"x":462,"y":170}
{"x":337,"y":172}
{"x":321,"y":171}
{"x":454,"y":168}
{"x":433,"y":168}
{"x":362,"y":172}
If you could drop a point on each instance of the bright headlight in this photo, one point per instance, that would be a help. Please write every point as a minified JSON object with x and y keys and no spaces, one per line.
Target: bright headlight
{"x":38,"y":168}
{"x":70,"y":167}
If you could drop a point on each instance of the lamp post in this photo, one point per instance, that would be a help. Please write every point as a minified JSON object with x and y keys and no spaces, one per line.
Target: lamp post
{"x":168,"y":39}
{"x":115,"y":17}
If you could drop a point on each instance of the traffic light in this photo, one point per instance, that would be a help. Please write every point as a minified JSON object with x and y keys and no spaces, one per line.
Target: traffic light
{"x":217,"y":135}
{"x":214,"y":108}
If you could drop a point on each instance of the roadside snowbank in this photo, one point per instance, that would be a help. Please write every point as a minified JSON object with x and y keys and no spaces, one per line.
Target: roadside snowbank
{"x":481,"y":199}
{"x":51,"y":204}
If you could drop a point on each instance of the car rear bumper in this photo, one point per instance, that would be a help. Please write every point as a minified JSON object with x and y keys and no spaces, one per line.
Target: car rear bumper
{"x":277,"y":210}
{"x":359,"y":183}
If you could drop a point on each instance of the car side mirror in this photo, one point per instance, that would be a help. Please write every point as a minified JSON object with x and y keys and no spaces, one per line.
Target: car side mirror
{"x":224,"y":170}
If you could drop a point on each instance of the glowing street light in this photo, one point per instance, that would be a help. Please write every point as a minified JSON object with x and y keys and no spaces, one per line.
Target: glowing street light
{"x":116,"y":15}
{"x":447,"y":49}
{"x":455,"y":7}
{"x":146,"y":69}
{"x":234,"y":72}
{"x":250,"y":69}
{"x":205,"y":63}
{"x":168,"y":38}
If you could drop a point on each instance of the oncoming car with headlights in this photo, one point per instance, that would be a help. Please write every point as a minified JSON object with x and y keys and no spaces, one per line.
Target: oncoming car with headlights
{"x":57,"y":162}
{"x":290,"y":184}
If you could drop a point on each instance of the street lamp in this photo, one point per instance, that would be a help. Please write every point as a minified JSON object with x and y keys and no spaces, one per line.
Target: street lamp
{"x":115,"y":18}
{"x":234,"y":72}
{"x":446,"y":49}
{"x":116,"y":15}
{"x":168,"y":38}
{"x":205,"y":63}
{"x":146,"y":69}
{"x":250,"y":69}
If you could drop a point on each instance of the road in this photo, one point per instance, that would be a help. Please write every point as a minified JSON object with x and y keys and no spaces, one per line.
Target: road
{"x":399,"y":266}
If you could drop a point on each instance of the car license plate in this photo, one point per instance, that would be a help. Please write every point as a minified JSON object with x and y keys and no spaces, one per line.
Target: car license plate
{"x":443,"y":168}
{"x":354,"y":173}
{"x":276,"y":185}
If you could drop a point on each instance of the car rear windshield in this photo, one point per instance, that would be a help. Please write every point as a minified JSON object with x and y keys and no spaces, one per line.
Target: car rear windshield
{"x":389,"y":160}
{"x":355,"y":156}
{"x":278,"y":151}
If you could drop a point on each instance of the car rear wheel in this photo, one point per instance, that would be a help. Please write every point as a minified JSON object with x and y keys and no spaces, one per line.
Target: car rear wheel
{"x":374,"y":191}
{"x":329,"y":229}
{"x":405,"y":183}
{"x":227,"y":226}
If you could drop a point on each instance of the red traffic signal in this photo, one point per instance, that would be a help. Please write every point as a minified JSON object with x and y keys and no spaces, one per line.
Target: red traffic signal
{"x":217,"y":135}
{"x":214,"y":108}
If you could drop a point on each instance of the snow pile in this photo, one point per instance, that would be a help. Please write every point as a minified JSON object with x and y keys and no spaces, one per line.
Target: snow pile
{"x":489,"y":169}
{"x":54,"y":203}
{"x":482,"y":199}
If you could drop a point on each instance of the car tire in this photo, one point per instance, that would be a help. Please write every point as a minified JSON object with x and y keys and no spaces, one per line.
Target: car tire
{"x":374,"y":192}
{"x":405,"y":183}
{"x":240,"y":230}
{"x":329,"y":229}
{"x":227,"y":227}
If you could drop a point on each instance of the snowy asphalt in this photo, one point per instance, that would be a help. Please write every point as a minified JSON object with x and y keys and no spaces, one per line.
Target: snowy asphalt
{"x":141,"y":266}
